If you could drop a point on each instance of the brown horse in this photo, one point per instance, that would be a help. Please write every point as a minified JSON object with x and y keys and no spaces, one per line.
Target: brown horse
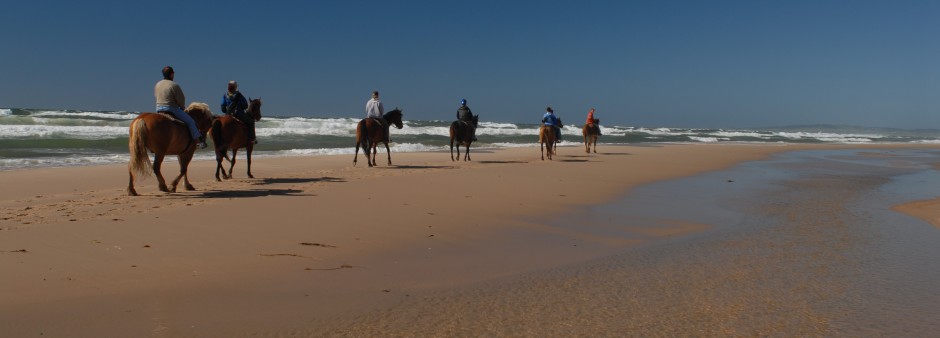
{"x":369,"y":133}
{"x":548,"y":139}
{"x":462,"y":133}
{"x":229,"y":133}
{"x":591,"y":132}
{"x":163,"y":135}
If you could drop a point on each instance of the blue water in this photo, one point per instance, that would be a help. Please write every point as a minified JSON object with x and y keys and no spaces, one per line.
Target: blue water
{"x":52,"y":138}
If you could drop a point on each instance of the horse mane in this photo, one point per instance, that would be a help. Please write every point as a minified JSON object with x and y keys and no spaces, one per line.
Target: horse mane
{"x":199,"y":106}
{"x":394,"y":111}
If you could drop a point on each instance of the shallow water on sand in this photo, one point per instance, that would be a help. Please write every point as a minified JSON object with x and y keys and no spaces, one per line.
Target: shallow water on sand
{"x":802,"y":244}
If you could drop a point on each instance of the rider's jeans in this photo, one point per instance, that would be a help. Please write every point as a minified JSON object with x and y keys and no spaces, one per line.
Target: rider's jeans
{"x":182,"y":116}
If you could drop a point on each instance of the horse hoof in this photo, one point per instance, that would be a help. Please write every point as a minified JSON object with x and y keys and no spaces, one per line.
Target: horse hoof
{"x":251,"y":176}
{"x":190,"y":188}
{"x":132,"y":193}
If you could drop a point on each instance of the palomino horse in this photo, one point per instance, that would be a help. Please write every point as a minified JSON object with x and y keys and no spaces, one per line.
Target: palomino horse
{"x":163,"y":135}
{"x":462,"y":133}
{"x":591,"y":132}
{"x":229,"y":133}
{"x":548,"y":139}
{"x":369,"y":133}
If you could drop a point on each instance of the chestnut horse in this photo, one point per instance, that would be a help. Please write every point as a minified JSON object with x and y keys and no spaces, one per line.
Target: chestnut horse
{"x":591,"y":132}
{"x":369,"y":133}
{"x":163,"y":135}
{"x":462,"y":133}
{"x":548,"y":139}
{"x":229,"y":133}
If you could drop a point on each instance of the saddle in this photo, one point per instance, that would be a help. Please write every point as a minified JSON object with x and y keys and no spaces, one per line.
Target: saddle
{"x":381,"y":121}
{"x":170,"y":116}
{"x":238,"y":120}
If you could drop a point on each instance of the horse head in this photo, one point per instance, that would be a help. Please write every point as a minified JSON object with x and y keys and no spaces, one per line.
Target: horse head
{"x":254,"y":109}
{"x":201,"y":115}
{"x":394,"y":117}
{"x":476,"y":119}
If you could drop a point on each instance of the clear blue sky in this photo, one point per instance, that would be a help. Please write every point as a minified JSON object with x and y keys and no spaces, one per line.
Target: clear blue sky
{"x":650,"y":63}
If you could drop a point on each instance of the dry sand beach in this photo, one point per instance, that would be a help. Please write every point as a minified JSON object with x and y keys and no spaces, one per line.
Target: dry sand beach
{"x":506,"y":245}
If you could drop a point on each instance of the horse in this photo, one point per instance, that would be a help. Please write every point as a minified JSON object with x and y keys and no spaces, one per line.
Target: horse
{"x":163,"y":135}
{"x":548,"y":139}
{"x":369,"y":133}
{"x":591,"y":132}
{"x":229,"y":133}
{"x":462,"y":133}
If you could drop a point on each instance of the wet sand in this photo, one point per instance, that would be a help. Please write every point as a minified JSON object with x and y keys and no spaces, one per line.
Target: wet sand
{"x":507,"y":245}
{"x":802,"y":245}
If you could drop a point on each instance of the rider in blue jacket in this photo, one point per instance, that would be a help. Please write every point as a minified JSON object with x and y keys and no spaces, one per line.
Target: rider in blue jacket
{"x":549,"y":119}
{"x":235,"y":104}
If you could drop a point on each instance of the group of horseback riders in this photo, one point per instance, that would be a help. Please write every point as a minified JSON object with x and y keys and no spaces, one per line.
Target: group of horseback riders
{"x":170,"y":99}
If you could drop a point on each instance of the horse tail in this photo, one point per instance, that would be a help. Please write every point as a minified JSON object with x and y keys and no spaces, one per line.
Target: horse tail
{"x":360,"y":132}
{"x":140,"y":160}
{"x":216,"y":132}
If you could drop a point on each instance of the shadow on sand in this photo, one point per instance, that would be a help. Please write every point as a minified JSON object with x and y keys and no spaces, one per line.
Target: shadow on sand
{"x":501,"y":162}
{"x":252,"y":193}
{"x":294,"y":180}
{"x":417,"y":167}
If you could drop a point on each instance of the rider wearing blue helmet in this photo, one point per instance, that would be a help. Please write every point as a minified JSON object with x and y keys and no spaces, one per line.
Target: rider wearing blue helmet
{"x":465,"y":115}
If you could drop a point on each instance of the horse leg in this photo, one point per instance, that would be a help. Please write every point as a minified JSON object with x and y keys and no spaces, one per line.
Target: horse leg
{"x":389,"y":153}
{"x":356,"y":155}
{"x":218,"y":164}
{"x":375,"y":152}
{"x":184,"y":165}
{"x":232,"y":165}
{"x":367,"y":150}
{"x":130,"y":184}
{"x":452,"y":149}
{"x":548,"y":148}
{"x":467,"y":153}
{"x":157,"y":161}
{"x":542,"y":149}
{"x":587,"y":143}
{"x":248,"y":155}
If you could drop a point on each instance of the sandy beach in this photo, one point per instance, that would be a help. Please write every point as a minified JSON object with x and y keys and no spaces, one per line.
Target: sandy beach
{"x":313,"y":246}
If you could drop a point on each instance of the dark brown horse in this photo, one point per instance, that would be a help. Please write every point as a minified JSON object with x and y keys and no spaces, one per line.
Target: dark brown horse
{"x":462,"y":133}
{"x":163,"y":135}
{"x":228,"y":133}
{"x":370,"y":133}
{"x":548,"y":139}
{"x":591,"y":132}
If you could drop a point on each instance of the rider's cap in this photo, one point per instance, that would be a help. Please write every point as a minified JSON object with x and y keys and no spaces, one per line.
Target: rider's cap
{"x":463,"y":102}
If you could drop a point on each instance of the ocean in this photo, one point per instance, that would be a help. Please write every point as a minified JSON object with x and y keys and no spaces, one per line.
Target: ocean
{"x":31,"y":138}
